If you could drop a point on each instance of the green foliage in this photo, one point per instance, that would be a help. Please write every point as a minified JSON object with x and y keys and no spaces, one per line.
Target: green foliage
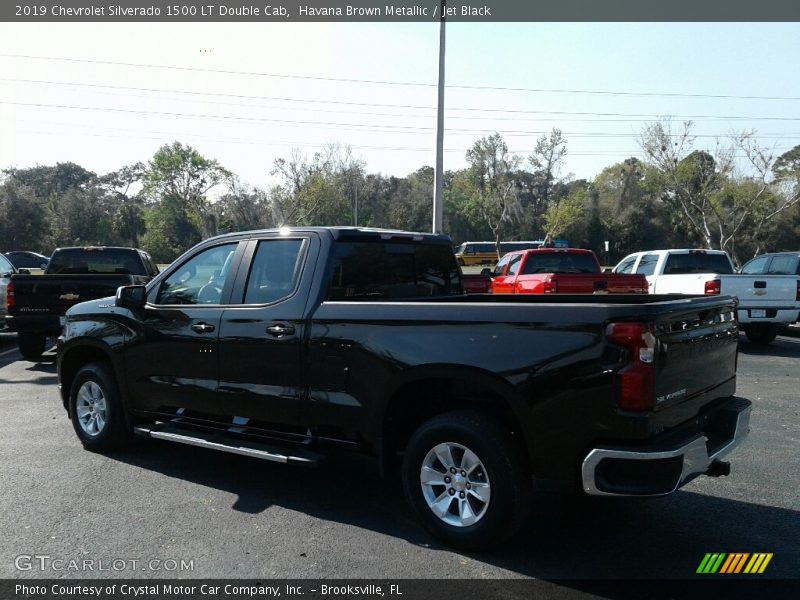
{"x":489,"y":184}
{"x":171,"y":228}
{"x":23,"y":223}
{"x":787,"y":165}
{"x":679,"y":196}
{"x":563,"y":217}
{"x":181,"y":172}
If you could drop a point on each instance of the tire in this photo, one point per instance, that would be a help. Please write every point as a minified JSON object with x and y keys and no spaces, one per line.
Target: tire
{"x":96,"y":409}
{"x":31,"y":345}
{"x":760,"y":335}
{"x":496,"y":466}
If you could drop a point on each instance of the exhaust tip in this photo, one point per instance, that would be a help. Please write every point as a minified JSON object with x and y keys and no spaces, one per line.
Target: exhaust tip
{"x":719,"y":468}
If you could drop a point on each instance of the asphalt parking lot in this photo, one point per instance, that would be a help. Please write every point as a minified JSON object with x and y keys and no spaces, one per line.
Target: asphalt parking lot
{"x":239,"y":517}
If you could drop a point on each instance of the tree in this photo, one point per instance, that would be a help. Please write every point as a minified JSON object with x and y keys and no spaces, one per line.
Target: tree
{"x":319,"y":191}
{"x":722,"y":205}
{"x":171,"y":228}
{"x":565,"y":215}
{"x":184,"y":175}
{"x":547,"y":160}
{"x":57,"y":190}
{"x":491,"y":185}
{"x":129,"y":217}
{"x":630,"y":212}
{"x":243,"y":208}
{"x":23,"y":222}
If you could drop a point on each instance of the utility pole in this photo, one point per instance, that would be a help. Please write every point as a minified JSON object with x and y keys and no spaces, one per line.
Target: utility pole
{"x":355,"y":199}
{"x":438,"y":173}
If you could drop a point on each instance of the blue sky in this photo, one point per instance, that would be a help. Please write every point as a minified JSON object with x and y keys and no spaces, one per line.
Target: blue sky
{"x":231,"y":97}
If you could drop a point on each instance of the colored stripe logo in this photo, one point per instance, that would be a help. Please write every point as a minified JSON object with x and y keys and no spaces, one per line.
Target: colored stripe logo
{"x":735,"y":562}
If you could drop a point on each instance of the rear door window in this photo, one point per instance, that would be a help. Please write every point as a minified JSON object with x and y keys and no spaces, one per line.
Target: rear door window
{"x":275,"y":271}
{"x":647,"y":266}
{"x":514,"y":264}
{"x":757,"y":266}
{"x":783,"y":265}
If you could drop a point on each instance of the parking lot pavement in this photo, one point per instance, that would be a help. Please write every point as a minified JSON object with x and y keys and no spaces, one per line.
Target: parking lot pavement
{"x":239,"y":517}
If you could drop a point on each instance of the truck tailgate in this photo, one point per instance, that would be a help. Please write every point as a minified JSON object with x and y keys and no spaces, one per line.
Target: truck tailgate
{"x":762,"y":291}
{"x":595,"y":283}
{"x":695,"y":361}
{"x":55,"y":294}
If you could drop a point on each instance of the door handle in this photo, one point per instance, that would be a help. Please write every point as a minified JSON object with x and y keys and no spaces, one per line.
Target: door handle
{"x":202,"y":328}
{"x":279,"y":330}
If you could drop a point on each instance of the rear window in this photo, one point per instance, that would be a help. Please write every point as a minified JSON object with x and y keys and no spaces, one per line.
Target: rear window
{"x":559,"y":262}
{"x":698,"y":262}
{"x":391,"y":270}
{"x":83,"y":261}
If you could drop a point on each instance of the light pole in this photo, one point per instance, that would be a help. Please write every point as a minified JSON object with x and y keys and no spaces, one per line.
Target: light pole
{"x":438,"y":173}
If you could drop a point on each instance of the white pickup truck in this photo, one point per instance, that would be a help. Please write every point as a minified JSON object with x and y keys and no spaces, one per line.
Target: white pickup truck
{"x":765,"y":301}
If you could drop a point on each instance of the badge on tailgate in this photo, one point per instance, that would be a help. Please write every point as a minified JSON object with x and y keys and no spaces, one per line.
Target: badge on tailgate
{"x":69,"y":296}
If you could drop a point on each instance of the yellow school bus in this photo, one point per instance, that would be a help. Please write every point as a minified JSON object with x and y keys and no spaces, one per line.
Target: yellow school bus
{"x":485,"y":253}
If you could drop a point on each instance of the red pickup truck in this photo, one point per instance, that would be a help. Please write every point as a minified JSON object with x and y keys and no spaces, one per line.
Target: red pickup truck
{"x":560,"y":271}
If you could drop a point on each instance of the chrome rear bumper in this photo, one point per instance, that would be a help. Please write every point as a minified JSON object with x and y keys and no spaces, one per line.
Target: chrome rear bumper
{"x":655,"y":470}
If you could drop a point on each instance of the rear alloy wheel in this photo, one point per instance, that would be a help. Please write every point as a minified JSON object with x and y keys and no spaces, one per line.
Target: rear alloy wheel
{"x":96,"y":410}
{"x":467,"y":478}
{"x":455,"y":484}
{"x":31,"y":345}
{"x":760,"y":335}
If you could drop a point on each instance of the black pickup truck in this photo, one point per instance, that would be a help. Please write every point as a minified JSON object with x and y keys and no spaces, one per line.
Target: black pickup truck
{"x":36,"y":304}
{"x":281,"y":344}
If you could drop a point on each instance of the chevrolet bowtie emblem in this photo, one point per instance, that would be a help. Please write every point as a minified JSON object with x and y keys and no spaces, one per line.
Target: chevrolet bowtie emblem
{"x":760,"y":292}
{"x":69,"y":296}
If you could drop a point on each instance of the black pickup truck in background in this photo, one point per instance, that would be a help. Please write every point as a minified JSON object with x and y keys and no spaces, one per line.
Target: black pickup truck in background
{"x":280,"y":344}
{"x":36,"y":304}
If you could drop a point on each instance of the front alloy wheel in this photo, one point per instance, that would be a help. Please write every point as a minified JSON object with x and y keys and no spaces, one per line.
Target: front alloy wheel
{"x":455,"y":484}
{"x":90,"y":408}
{"x":96,"y":409}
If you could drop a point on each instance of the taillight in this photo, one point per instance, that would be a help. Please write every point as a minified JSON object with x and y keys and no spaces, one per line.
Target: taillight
{"x":10,"y":300}
{"x":550,"y":286}
{"x":636,"y":380}
{"x":713,"y":287}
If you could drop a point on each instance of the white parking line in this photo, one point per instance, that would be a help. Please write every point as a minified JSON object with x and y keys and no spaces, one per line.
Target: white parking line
{"x":8,"y":352}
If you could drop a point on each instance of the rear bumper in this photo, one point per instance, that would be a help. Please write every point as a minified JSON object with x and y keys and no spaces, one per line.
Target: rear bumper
{"x":43,"y":324}
{"x":773,"y":315}
{"x":659,"y":469}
